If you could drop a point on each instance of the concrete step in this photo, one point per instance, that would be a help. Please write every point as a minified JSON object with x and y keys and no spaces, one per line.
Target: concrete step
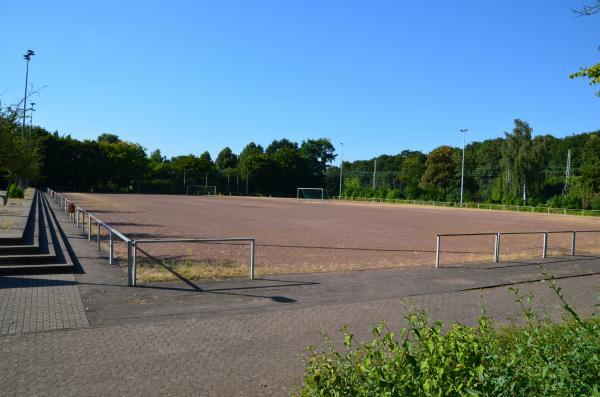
{"x":59,"y":243}
{"x":52,"y":255}
{"x":18,"y":217}
{"x":45,"y":252}
{"x":30,"y":243}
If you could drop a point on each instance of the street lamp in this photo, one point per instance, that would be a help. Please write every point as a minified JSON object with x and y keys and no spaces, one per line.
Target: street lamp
{"x":462,"y":173}
{"x":27,"y":57}
{"x":341,"y":170}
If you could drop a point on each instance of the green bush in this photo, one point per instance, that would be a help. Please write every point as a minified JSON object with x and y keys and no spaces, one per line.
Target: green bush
{"x":15,"y":191}
{"x":424,"y":359}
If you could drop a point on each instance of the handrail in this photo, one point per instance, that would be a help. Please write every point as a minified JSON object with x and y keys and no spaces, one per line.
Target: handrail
{"x":132,"y":244}
{"x":498,"y":236}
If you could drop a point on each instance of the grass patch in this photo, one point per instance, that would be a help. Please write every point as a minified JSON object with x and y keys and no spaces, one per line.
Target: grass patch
{"x":189,"y":269}
{"x":429,"y":359}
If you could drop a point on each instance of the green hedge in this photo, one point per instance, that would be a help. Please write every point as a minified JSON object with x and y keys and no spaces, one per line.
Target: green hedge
{"x":427,"y":359}
{"x":15,"y":191}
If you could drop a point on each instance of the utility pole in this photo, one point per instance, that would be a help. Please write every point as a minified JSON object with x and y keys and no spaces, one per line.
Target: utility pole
{"x":374,"y":172}
{"x":567,"y":174}
{"x":341,"y":171}
{"x":462,"y":172}
{"x":27,"y":57}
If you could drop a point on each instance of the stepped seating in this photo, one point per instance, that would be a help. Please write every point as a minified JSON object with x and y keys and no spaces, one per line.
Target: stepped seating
{"x":39,"y":246}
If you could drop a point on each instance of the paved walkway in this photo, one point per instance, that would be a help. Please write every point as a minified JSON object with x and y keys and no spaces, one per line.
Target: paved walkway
{"x":246,"y":337}
{"x":43,"y":302}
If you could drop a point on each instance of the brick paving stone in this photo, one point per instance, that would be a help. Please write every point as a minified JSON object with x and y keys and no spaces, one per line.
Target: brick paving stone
{"x":29,"y":302}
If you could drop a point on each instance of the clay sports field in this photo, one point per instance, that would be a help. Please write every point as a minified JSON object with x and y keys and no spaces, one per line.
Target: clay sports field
{"x":295,"y":236}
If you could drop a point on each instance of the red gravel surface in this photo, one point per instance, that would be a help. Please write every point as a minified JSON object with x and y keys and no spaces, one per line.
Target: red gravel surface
{"x":299,"y":236}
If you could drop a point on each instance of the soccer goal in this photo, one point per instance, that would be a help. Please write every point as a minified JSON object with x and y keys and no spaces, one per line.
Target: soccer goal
{"x":310,"y":193}
{"x":201,"y":190}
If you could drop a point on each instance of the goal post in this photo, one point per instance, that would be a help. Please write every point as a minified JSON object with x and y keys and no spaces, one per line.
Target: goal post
{"x":201,"y":190}
{"x":310,"y":193}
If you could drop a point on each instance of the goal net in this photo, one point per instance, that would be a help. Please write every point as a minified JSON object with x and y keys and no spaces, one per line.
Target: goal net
{"x":201,"y":190}
{"x":310,"y":193}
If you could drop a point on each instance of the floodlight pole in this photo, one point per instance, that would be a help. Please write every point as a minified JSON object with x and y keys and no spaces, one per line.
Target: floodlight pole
{"x":341,"y":170}
{"x":462,"y":172}
{"x":27,"y":57}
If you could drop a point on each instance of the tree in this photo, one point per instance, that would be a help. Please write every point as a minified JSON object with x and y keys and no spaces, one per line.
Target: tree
{"x":20,"y":158}
{"x":440,"y":169}
{"x":108,"y":138}
{"x":592,"y":72}
{"x":520,"y":157}
{"x":256,"y":164}
{"x":410,"y":174}
{"x":128,"y":164}
{"x":280,"y":144}
{"x":157,"y":157}
{"x":590,"y":173}
{"x":226,"y":159}
{"x":317,"y":153}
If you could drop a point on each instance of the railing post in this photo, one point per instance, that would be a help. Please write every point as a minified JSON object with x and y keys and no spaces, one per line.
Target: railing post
{"x":130,"y":281}
{"x":252,"y":249}
{"x":98,"y":236}
{"x":545,"y":245}
{"x":573,"y":236}
{"x":134,"y":263}
{"x":497,"y":248}
{"x":110,"y":247}
{"x":437,"y":251}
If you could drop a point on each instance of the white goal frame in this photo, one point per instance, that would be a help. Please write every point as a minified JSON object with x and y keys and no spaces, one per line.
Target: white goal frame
{"x":208,"y":189}
{"x":310,"y":188}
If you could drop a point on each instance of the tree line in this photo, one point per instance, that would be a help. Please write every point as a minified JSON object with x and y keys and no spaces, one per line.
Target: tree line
{"x":516,"y":169}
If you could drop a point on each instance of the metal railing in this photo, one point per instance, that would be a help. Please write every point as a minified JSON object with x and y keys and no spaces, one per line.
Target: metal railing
{"x":133,"y":247}
{"x":483,"y":206}
{"x":498,"y":236}
{"x":79,"y":218}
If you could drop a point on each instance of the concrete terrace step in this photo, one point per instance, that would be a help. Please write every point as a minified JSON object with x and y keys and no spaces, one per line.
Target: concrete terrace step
{"x":30,"y":243}
{"x":15,"y":217}
{"x":58,"y":241}
{"x":49,"y":252}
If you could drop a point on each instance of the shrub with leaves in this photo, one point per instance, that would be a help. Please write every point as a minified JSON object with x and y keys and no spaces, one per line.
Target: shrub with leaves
{"x":15,"y":191}
{"x":427,"y":359}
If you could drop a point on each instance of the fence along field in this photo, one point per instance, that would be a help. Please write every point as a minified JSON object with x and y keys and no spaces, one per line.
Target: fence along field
{"x":294,"y":237}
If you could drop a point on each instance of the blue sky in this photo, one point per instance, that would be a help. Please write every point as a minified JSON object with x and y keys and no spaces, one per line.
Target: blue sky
{"x":380,"y":76}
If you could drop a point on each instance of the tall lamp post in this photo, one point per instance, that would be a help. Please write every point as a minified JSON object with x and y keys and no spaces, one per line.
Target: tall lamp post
{"x":341,"y":170}
{"x":27,"y":57}
{"x":462,"y":172}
